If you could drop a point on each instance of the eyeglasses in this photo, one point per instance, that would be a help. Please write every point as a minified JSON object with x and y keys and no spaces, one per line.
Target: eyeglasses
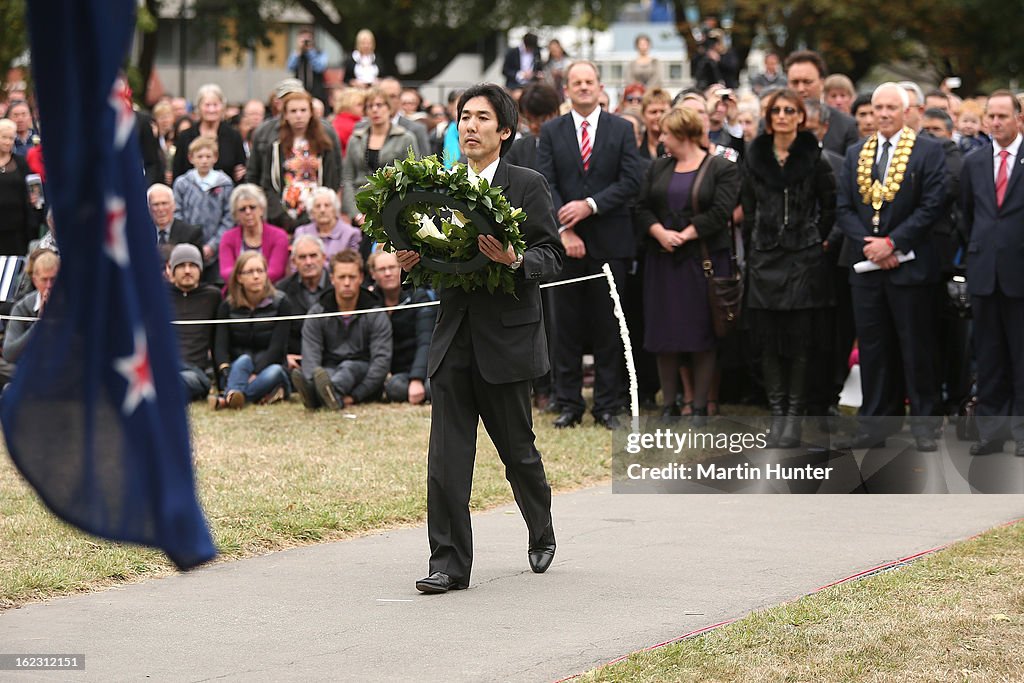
{"x":249,"y":272}
{"x":247,"y":208}
{"x":634,"y":98}
{"x":788,"y":111}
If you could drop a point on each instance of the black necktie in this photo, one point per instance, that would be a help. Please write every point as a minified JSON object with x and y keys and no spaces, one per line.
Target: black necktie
{"x":883,"y":162}
{"x":161,"y":237}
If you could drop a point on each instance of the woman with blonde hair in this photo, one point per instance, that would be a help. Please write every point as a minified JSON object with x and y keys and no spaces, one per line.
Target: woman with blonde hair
{"x":372,"y":147}
{"x":301,"y":159}
{"x":361,"y":67}
{"x":250,"y":357}
{"x":210,"y":103}
{"x":349,"y":111}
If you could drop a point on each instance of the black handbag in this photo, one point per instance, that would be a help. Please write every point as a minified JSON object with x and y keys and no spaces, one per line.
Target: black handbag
{"x":725,"y":292}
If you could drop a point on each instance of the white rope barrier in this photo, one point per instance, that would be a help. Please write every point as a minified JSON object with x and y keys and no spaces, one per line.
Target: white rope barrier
{"x":306,"y":316}
{"x":627,"y":348}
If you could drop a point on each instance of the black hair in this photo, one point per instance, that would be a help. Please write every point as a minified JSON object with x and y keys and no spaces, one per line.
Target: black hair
{"x":940,"y":115}
{"x":540,"y":100}
{"x":505,"y":109}
{"x":530,"y":41}
{"x":860,"y":102}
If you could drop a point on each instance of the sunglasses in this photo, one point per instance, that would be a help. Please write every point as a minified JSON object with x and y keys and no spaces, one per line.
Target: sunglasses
{"x":788,"y":111}
{"x":634,"y":98}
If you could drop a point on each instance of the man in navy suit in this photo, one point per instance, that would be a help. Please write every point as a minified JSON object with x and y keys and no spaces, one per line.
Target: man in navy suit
{"x":590,"y":160}
{"x":485,"y":350}
{"x":992,"y":199}
{"x":893,"y":305}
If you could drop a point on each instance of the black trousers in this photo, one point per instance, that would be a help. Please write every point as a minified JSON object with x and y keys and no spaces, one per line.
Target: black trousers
{"x":896,"y":336}
{"x":584,"y":317}
{"x":461,"y":397}
{"x":999,"y":348}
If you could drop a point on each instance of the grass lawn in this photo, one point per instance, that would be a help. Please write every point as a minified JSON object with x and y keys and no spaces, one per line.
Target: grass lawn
{"x":957,"y":615}
{"x":275,"y":477}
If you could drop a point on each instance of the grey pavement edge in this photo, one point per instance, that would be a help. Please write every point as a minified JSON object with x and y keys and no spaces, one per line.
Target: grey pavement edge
{"x":631,"y":571}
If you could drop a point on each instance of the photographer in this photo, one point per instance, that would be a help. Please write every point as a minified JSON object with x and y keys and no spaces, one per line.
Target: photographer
{"x":308,"y":64}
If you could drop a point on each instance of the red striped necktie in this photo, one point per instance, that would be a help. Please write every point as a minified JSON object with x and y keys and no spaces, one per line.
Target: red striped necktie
{"x":585,"y":147}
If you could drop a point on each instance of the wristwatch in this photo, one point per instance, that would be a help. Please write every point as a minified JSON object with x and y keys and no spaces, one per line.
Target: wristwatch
{"x":517,"y":263}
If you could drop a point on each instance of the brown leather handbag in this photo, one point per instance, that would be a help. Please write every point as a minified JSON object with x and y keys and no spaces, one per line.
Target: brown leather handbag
{"x":725,"y":292}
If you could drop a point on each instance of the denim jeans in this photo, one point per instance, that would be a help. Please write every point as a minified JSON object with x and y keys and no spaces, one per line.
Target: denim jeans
{"x":269,"y":379}
{"x":195,"y":382}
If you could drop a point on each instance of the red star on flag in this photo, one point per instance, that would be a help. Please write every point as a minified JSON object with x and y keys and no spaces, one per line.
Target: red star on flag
{"x":136,"y":370}
{"x":115,"y":243}
{"x":121,"y":101}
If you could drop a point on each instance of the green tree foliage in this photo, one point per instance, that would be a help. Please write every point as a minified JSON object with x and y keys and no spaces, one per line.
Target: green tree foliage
{"x":13,"y":33}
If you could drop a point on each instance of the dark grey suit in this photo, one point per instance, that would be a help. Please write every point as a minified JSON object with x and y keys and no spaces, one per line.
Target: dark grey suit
{"x":485,"y":350}
{"x":995,"y":280}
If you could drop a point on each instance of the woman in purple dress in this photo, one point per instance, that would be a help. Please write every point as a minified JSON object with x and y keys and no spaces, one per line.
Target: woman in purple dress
{"x":678,"y":316}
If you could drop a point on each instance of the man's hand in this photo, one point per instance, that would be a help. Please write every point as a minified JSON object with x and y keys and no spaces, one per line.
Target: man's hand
{"x":877,"y":249}
{"x":574,"y":246}
{"x":348,"y":401}
{"x":294,"y":360}
{"x":492,"y":249}
{"x":208,"y":253}
{"x":417,"y":392}
{"x":573,"y":212}
{"x":888,"y":263}
{"x":407,"y":259}
{"x":239,"y":172}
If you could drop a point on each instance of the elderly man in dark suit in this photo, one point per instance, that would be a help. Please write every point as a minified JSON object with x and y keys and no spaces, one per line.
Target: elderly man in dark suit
{"x":590,"y":160}
{"x":485,"y":350}
{"x":170,"y":230}
{"x":891,"y":193}
{"x":992,"y":198}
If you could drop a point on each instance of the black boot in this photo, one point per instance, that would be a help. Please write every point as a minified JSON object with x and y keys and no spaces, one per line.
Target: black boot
{"x":771,"y":371}
{"x":797,"y":402}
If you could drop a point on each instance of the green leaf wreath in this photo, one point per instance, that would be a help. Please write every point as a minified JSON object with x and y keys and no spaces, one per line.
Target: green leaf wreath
{"x":455,"y":240}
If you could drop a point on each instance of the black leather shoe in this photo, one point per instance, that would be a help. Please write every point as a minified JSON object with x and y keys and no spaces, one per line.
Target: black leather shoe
{"x":925,"y":444}
{"x":987,"y":447}
{"x":567,"y":419}
{"x":540,"y":557}
{"x":607,"y":420}
{"x":1019,"y":450}
{"x":439,"y":582}
{"x":864,"y":441}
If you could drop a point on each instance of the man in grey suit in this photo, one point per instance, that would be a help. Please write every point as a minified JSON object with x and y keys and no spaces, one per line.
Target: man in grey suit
{"x":393,"y":88}
{"x":485,"y":350}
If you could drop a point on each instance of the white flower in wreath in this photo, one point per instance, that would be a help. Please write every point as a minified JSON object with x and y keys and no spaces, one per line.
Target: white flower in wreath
{"x":428,"y":229}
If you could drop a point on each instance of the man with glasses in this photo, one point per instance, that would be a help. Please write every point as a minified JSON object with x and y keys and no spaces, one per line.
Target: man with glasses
{"x":170,"y":230}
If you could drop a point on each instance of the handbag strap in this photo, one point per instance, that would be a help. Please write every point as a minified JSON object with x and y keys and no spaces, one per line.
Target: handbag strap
{"x":706,"y":264}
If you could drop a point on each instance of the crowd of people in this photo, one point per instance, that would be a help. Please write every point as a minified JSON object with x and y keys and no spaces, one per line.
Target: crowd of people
{"x":849,"y":212}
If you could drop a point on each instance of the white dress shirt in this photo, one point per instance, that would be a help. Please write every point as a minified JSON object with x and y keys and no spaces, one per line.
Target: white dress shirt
{"x":1013,"y":148}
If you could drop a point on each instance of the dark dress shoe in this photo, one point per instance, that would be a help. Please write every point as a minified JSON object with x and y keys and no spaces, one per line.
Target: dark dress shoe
{"x":671,"y":411}
{"x":540,"y":557}
{"x":1019,"y":449}
{"x":567,"y":419}
{"x":925,"y":444}
{"x":607,"y":420}
{"x":987,"y":447}
{"x":439,"y":582}
{"x":864,"y":441}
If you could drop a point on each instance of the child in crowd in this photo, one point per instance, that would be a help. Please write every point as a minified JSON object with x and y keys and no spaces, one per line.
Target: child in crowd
{"x":202,"y":197}
{"x":969,"y":126}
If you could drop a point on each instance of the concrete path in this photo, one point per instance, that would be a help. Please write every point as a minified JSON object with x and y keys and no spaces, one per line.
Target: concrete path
{"x":631,"y":571}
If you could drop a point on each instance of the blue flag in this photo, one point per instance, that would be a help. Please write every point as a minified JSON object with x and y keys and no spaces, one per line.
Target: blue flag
{"x":95,"y":417}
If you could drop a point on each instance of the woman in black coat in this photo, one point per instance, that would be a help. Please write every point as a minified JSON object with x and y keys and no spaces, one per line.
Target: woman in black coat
{"x":230,"y":153}
{"x":676,"y":309}
{"x":789,"y":200}
{"x":17,"y":224}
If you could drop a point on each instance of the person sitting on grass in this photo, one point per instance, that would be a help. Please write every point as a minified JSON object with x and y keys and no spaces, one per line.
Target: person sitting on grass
{"x":250,"y":357}
{"x":345,"y":358}
{"x":411,"y":330}
{"x":192,"y":300}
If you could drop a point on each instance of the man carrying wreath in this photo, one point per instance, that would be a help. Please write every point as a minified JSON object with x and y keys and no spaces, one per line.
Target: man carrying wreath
{"x":485,"y":350}
{"x":891,"y":192}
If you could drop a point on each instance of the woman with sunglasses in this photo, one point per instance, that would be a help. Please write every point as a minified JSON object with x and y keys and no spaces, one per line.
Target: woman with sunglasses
{"x":789,"y":200}
{"x":252,"y":233}
{"x":250,"y":357}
